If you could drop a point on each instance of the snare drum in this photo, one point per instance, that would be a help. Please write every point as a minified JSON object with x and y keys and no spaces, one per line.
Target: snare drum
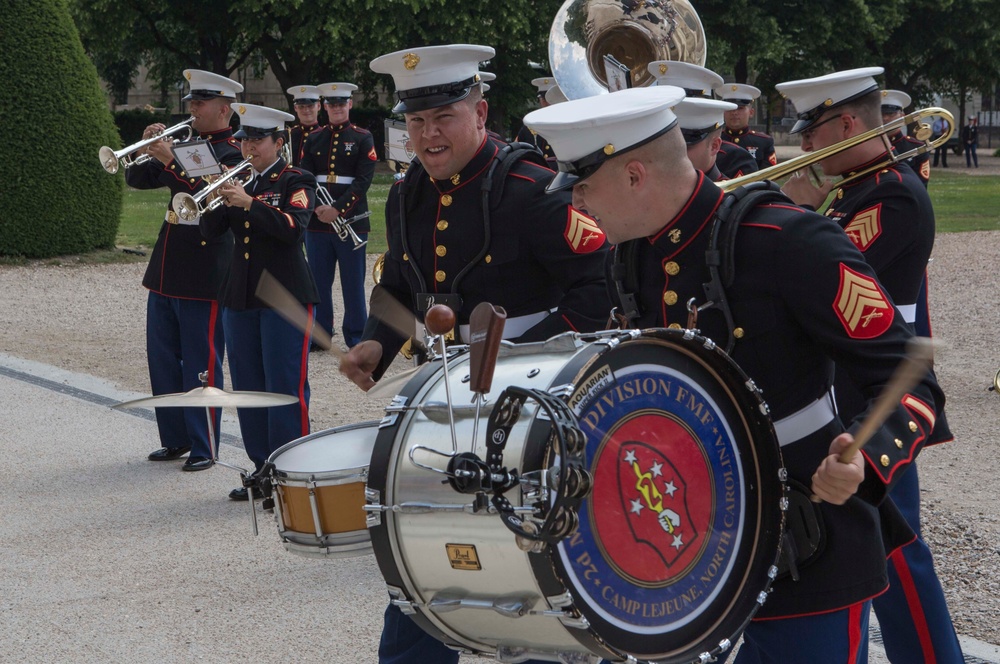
{"x":677,"y":540}
{"x":319,"y":483}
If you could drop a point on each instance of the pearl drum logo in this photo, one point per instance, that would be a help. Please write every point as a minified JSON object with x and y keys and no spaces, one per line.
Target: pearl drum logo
{"x":659,"y":535}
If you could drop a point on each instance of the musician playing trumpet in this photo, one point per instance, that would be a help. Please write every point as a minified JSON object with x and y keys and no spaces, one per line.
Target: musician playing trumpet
{"x":183,"y":327}
{"x":268,"y":217}
{"x":342,"y":156}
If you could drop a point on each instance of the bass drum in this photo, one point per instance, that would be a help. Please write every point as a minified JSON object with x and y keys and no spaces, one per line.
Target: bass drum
{"x":677,"y":540}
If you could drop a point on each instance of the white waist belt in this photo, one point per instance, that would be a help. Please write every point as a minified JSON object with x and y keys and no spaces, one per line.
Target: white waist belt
{"x":909,"y":312}
{"x":335,"y":179}
{"x":806,"y":420}
{"x":512,"y":327}
{"x":174,"y":218}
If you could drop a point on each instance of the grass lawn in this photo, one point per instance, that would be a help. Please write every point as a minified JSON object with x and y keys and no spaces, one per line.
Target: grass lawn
{"x":961,"y":203}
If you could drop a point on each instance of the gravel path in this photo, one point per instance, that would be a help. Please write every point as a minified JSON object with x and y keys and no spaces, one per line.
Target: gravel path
{"x":90,"y":319}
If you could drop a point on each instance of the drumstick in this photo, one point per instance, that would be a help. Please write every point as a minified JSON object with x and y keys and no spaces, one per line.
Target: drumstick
{"x":273,"y":294}
{"x":915,"y":365}
{"x":393,"y":313}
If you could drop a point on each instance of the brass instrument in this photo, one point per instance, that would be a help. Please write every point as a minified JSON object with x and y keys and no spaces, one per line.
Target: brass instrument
{"x":584,"y":31}
{"x":923,"y":133}
{"x":340,"y":225}
{"x":189,"y":207}
{"x":127,"y":157}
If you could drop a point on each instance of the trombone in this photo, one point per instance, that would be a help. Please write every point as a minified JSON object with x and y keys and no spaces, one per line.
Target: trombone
{"x":342,"y":226}
{"x":189,"y":207}
{"x":112,"y":160}
{"x":923,"y":133}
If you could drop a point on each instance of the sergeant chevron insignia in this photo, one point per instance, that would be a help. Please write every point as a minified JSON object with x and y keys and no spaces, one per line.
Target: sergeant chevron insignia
{"x":861,"y":305}
{"x":582,"y":233}
{"x":300,"y":199}
{"x":865,"y":227}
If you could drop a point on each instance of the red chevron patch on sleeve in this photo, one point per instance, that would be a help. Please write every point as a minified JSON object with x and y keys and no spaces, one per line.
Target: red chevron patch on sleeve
{"x":861,"y":305}
{"x":300,"y":199}
{"x":865,"y":227}
{"x":925,"y":170}
{"x":372,"y":155}
{"x":582,"y":233}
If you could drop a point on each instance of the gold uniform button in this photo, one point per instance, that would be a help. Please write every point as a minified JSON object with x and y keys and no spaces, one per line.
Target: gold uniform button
{"x":736,"y":140}
{"x":913,"y":426}
{"x":738,"y":333}
{"x":246,"y":240}
{"x":899,"y":443}
{"x":203,"y":243}
{"x":442,"y":225}
{"x":670,"y":297}
{"x":840,"y":194}
{"x":440,"y":276}
{"x":247,"y":255}
{"x":489,"y":258}
{"x":884,"y":460}
{"x":246,"y":224}
{"x":440,"y":250}
{"x":405,"y":257}
{"x":674,"y":326}
{"x":446,"y":200}
{"x":672,"y":268}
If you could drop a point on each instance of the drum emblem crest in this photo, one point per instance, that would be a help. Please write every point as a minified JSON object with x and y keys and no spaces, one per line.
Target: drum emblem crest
{"x":655,"y":495}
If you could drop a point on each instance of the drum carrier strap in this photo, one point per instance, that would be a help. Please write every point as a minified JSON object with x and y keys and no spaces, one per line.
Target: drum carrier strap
{"x":559,"y":518}
{"x":719,"y":257}
{"x":494,"y":181}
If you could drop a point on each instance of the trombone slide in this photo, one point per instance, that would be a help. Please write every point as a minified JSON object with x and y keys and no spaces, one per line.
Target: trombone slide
{"x":340,"y":225}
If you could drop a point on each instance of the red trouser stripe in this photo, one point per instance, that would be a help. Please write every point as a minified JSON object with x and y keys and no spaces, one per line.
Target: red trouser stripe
{"x":213,"y":320}
{"x":303,"y":368}
{"x":913,"y":602}
{"x":854,"y":635}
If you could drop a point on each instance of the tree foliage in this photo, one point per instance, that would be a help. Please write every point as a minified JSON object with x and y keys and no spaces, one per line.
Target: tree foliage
{"x":56,"y":198}
{"x":925,"y":45}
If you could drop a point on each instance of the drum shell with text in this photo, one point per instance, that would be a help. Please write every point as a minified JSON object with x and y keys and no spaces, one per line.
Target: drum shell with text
{"x":319,"y":487}
{"x":469,"y":584}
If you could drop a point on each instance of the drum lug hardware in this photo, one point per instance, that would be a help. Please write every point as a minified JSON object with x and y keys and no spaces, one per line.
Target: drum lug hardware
{"x":466,"y":378}
{"x":709,"y":344}
{"x":534,"y":372}
{"x":783,"y":504}
{"x":762,"y":597}
{"x":373,"y":512}
{"x":764,"y":409}
{"x":783,"y":474}
{"x":395,"y":407}
{"x":396,"y":596}
{"x":511,"y":607}
{"x":563,"y":391}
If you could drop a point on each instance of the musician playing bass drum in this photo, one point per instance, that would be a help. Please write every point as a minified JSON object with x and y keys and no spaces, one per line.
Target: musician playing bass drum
{"x":268,"y":216}
{"x":342,"y":157}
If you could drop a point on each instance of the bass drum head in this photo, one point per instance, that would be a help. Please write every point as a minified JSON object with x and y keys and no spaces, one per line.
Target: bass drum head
{"x":675,"y":545}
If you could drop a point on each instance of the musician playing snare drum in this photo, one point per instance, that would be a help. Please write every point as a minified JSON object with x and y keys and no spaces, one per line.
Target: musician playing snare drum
{"x":268,"y":216}
{"x":799,"y":297}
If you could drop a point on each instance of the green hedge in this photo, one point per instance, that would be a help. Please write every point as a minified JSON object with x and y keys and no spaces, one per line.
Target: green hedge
{"x":133,"y":121}
{"x":56,"y":198}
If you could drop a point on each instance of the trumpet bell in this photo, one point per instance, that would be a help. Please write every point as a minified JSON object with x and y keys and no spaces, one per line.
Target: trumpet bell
{"x":109,"y":160}
{"x":635,"y":33}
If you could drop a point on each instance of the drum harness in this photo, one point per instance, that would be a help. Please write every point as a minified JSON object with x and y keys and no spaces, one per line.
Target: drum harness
{"x":804,"y":537}
{"x":492,"y":188}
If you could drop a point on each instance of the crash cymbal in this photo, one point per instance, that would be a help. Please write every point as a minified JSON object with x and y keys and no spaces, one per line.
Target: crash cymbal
{"x":211,"y":397}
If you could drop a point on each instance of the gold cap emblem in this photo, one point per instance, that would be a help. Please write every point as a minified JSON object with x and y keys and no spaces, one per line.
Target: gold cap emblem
{"x":411,"y":60}
{"x":334,"y":87}
{"x":242,"y":110}
{"x":663,"y":69}
{"x":885,"y":93}
{"x":828,"y":102}
{"x":302,"y":89}
{"x":187,"y":75}
{"x":735,"y":88}
{"x":609,"y":149}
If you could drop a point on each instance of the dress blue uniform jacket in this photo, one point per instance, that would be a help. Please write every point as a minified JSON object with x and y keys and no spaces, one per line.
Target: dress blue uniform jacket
{"x":183,"y":263}
{"x":543,"y":255}
{"x":757,"y":143}
{"x":803,"y":298}
{"x":526,"y":135}
{"x":734,"y":161}
{"x":921,"y":163}
{"x":345,"y":150}
{"x":297,"y":136}
{"x":268,"y":236}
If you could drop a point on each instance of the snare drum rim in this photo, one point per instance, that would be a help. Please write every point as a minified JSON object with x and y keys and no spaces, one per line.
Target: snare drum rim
{"x":755,"y":435}
{"x":320,"y":434}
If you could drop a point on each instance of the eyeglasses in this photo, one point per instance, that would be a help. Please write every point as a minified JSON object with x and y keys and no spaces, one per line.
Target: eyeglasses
{"x":807,"y":134}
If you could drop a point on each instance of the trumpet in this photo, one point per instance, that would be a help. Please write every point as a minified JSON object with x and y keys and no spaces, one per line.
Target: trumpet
{"x":127,"y":157}
{"x":189,"y":207}
{"x":340,"y":225}
{"x":923,"y":133}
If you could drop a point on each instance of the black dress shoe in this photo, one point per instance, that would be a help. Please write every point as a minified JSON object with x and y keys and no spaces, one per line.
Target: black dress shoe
{"x":197,"y":463}
{"x":241,"y":494}
{"x":169,"y":453}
